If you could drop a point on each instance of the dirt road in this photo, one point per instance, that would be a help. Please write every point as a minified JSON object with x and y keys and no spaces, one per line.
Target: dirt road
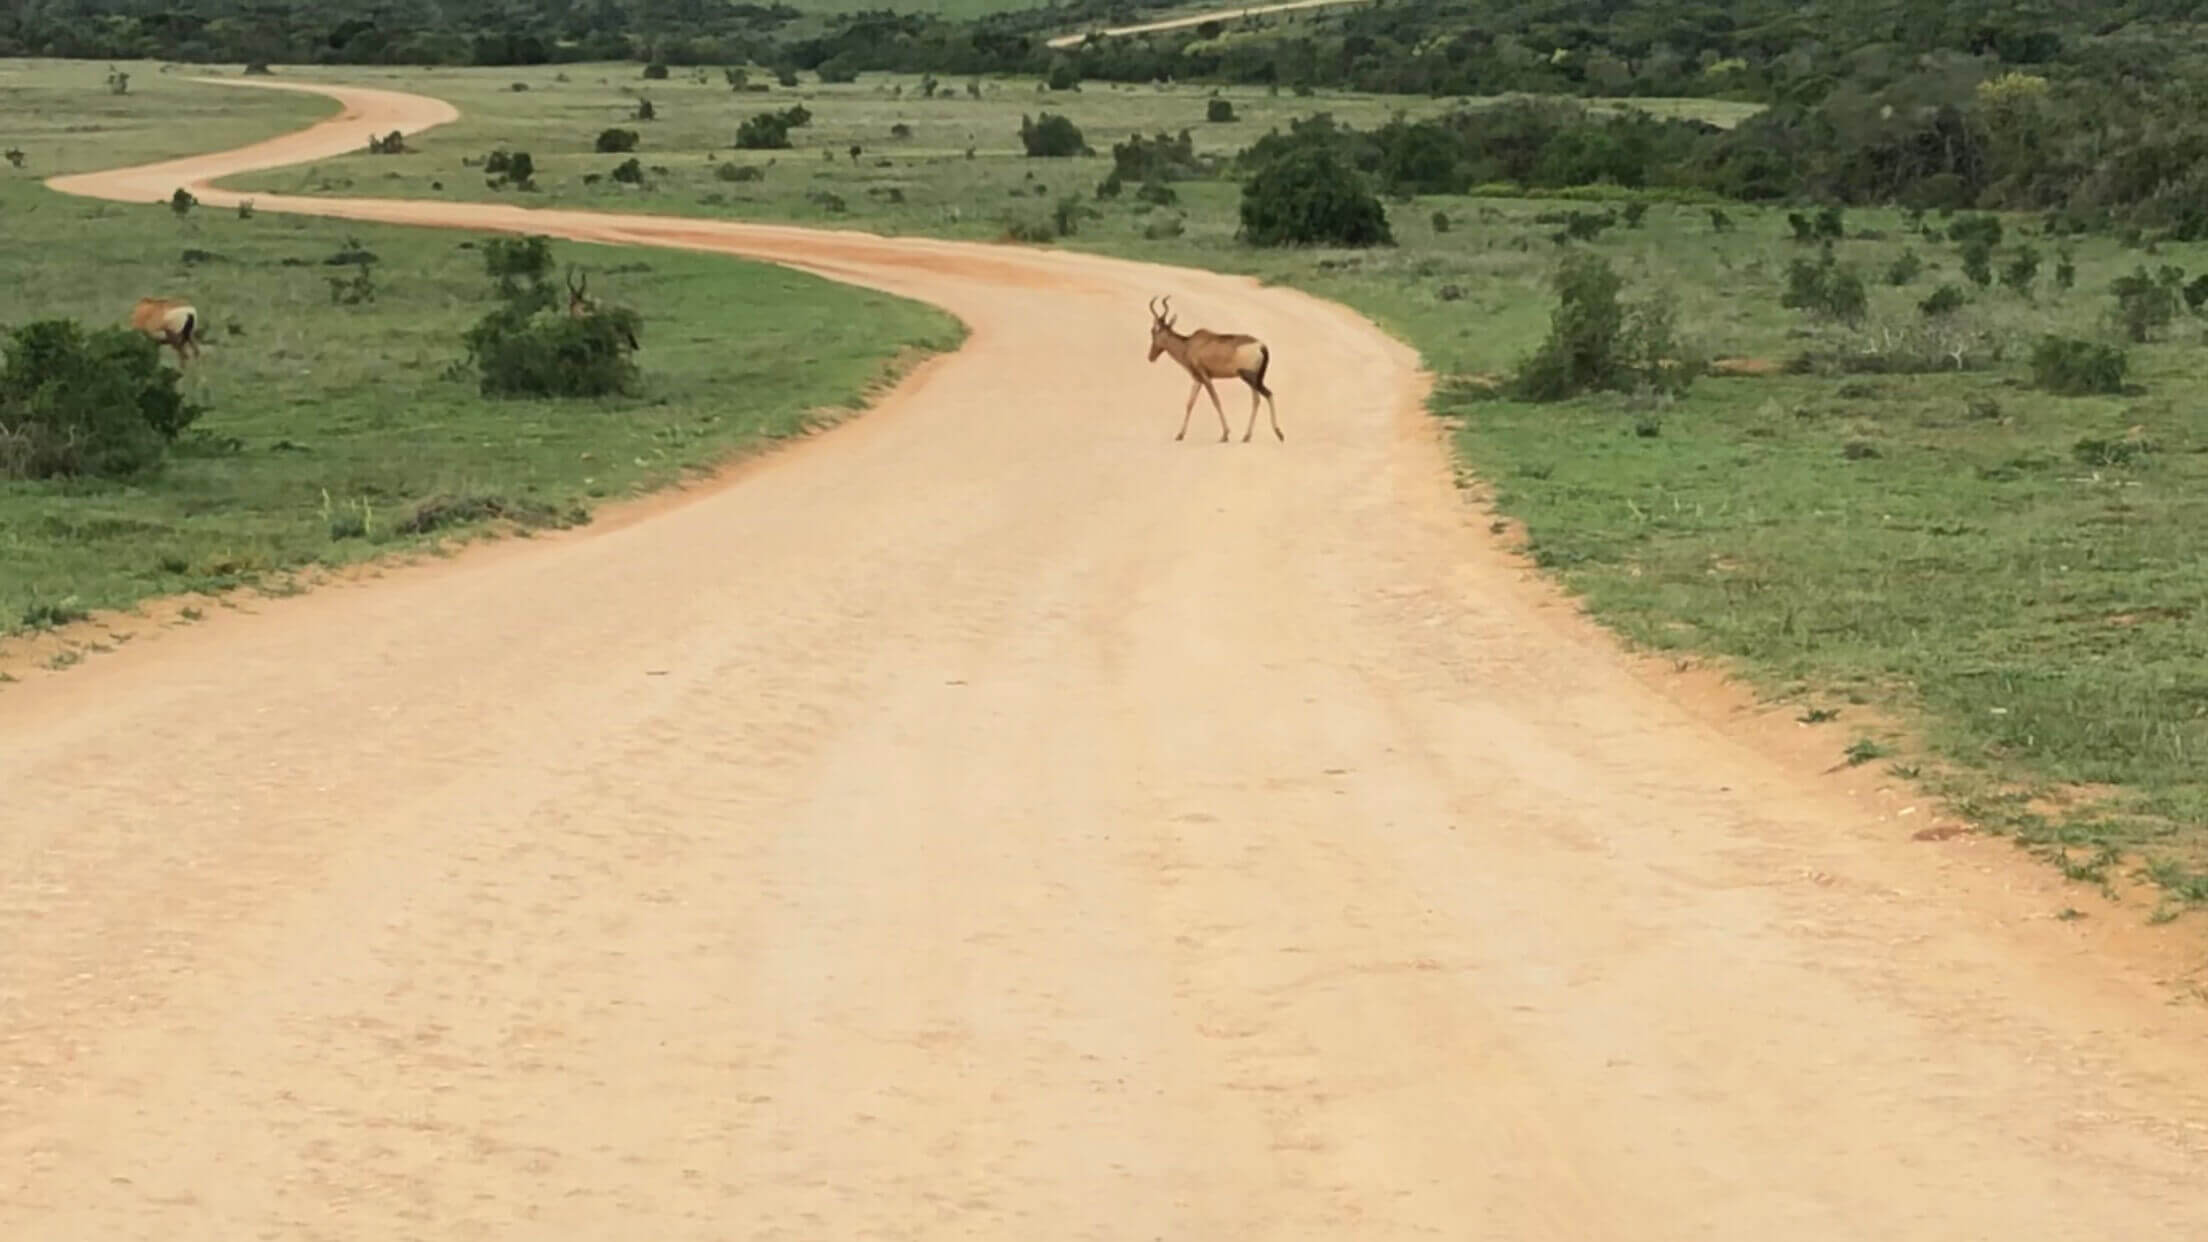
{"x":1198,"y":19}
{"x":993,"y":820}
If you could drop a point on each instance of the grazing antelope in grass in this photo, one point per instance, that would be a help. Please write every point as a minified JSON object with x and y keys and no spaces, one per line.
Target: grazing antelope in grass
{"x":1207,"y":356}
{"x":169,"y":322}
{"x":580,"y":306}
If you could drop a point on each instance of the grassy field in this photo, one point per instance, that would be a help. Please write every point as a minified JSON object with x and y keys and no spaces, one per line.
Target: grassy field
{"x":918,"y":181}
{"x":338,"y":431}
{"x":2007,"y":572}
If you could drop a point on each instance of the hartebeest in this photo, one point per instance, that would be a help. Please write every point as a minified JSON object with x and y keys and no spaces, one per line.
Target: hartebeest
{"x":169,"y":322}
{"x":579,"y":305}
{"x":1207,"y":356}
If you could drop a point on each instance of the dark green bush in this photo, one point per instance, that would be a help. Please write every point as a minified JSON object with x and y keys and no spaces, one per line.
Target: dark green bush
{"x":2022,"y":271}
{"x":1978,"y":262}
{"x":78,"y":403}
{"x":765,"y":131}
{"x":739,"y":172}
{"x":1218,"y":110}
{"x":1984,"y":230}
{"x":1311,"y":196}
{"x":2074,"y":368}
{"x":2145,"y":305}
{"x":520,"y":350}
{"x":616,"y":141}
{"x":1826,"y":288}
{"x":629,"y":172}
{"x":1156,"y":159}
{"x":1945,"y":300}
{"x":1051,"y":136}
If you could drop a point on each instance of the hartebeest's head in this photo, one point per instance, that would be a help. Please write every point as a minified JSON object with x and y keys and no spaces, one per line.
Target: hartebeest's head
{"x":1161,"y":326}
{"x":578,"y":305}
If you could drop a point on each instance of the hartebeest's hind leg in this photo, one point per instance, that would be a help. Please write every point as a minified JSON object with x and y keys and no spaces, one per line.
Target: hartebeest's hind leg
{"x":1256,"y":381}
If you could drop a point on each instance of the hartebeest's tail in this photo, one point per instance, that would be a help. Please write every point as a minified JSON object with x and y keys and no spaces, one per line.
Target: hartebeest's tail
{"x":1257,"y":377}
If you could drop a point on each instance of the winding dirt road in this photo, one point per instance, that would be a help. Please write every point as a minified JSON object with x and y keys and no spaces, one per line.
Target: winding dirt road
{"x":993,"y":820}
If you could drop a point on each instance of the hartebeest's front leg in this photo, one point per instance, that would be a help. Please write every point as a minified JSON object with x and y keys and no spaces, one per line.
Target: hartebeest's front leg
{"x":1216,"y":408}
{"x":1189,"y":409}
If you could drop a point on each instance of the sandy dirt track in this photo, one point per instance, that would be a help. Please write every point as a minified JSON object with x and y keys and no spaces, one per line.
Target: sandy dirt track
{"x":993,"y":820}
{"x":1198,"y":19}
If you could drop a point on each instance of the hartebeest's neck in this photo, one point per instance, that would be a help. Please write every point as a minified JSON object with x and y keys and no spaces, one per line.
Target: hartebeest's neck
{"x":1175,"y":344}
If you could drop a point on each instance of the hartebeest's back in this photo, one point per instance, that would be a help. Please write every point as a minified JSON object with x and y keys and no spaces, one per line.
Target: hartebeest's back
{"x":169,"y":321}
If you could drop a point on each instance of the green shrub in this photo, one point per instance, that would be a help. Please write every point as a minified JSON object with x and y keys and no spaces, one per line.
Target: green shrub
{"x":1978,"y":262}
{"x":1982,"y":230}
{"x":764,"y":131}
{"x":1157,"y":193}
{"x":1826,"y":288}
{"x":1218,"y":110}
{"x":1595,"y":343}
{"x":2022,"y":271}
{"x":2074,"y":368}
{"x":1051,"y":136}
{"x":1022,"y":227}
{"x":629,"y":172}
{"x":525,"y":350}
{"x":616,"y":141}
{"x":1905,"y":269}
{"x":2145,"y":305}
{"x":739,"y":172}
{"x":1945,"y":300}
{"x":76,"y":403}
{"x":1312,"y":196}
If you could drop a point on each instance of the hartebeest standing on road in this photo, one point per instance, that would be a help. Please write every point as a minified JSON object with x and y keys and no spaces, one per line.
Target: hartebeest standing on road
{"x":1207,"y":356}
{"x":169,"y":322}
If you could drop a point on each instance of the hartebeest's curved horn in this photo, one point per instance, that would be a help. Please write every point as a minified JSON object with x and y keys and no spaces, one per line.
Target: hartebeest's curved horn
{"x":1154,"y":307}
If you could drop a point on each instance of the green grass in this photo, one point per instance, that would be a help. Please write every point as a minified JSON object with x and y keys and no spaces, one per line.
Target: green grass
{"x":332,"y":426}
{"x":1955,"y":550}
{"x":61,"y":115}
{"x":920,"y":183}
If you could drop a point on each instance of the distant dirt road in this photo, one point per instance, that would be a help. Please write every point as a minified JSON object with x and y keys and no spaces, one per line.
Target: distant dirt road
{"x":993,"y":820}
{"x":1198,"y":19}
